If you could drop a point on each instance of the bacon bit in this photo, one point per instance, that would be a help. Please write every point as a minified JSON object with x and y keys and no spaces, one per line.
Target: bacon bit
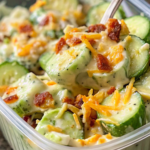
{"x":26,"y":118}
{"x":25,"y":28}
{"x":51,"y":83}
{"x":60,"y":45}
{"x":11,"y":99}
{"x":78,"y":101}
{"x":68,"y":101}
{"x":10,"y":90}
{"x":45,"y":21}
{"x":44,"y":100}
{"x":102,"y":63}
{"x":39,"y":3}
{"x":97,"y":28}
{"x":93,"y":117}
{"x":114,"y":29}
{"x":73,"y":41}
{"x":111,"y":90}
{"x":92,"y":42}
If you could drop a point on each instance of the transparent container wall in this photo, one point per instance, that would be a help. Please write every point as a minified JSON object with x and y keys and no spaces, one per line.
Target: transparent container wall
{"x":15,"y":138}
{"x":22,"y":137}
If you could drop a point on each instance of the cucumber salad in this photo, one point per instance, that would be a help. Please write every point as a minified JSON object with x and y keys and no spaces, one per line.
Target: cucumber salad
{"x":75,"y":81}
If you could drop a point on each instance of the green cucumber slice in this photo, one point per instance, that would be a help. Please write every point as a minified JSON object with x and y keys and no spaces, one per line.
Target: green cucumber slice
{"x":139,"y":26}
{"x":86,"y":82}
{"x":11,"y":72}
{"x":66,"y":123}
{"x":131,"y":117}
{"x":59,"y":138}
{"x":27,"y":87}
{"x":44,"y":58}
{"x":138,"y":52}
{"x":30,"y":85}
{"x":96,"y":13}
{"x":147,"y":107}
{"x":61,"y":6}
{"x":117,"y":77}
{"x":63,"y":68}
{"x":143,"y":85}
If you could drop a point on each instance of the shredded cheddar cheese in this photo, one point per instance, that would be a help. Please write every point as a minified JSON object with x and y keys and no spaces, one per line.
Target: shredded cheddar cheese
{"x":88,"y":45}
{"x":90,"y":92}
{"x":52,"y":128}
{"x":74,"y":109}
{"x":108,"y":136}
{"x":77,"y":121}
{"x":86,"y":112}
{"x":51,"y":83}
{"x":101,"y":140}
{"x":92,"y":36}
{"x":116,"y":98}
{"x":128,"y":92}
{"x":10,"y":90}
{"x":62,"y":111}
{"x":124,"y":28}
{"x":38,"y":4}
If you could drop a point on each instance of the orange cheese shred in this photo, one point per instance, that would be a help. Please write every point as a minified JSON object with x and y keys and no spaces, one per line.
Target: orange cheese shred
{"x":116,"y":98}
{"x":93,"y":36}
{"x":10,"y":90}
{"x":52,"y":128}
{"x":51,"y":83}
{"x":3,"y":89}
{"x":77,"y":121}
{"x":128,"y":92}
{"x":38,"y":4}
{"x":88,"y":45}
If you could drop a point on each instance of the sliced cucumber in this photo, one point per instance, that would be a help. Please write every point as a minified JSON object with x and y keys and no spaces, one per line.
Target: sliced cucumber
{"x":138,"y":52}
{"x":44,"y":59}
{"x":139,"y":26}
{"x":147,"y":107}
{"x":63,"y":67}
{"x":27,"y":87}
{"x":96,"y":13}
{"x":11,"y":72}
{"x":117,"y":77}
{"x":143,"y":85}
{"x":59,"y":138}
{"x":66,"y":123}
{"x":84,"y":80}
{"x":61,"y":6}
{"x":129,"y":118}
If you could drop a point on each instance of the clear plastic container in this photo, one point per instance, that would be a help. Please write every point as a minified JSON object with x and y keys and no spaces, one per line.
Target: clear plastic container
{"x":23,"y":137}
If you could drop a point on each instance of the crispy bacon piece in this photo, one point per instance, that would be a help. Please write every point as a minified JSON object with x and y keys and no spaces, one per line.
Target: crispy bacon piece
{"x":11,"y":99}
{"x":28,"y":120}
{"x":111,"y":90}
{"x":78,"y":101}
{"x":43,"y":100}
{"x":73,"y":41}
{"x":92,"y":42}
{"x":97,"y":28}
{"x":114,"y":29}
{"x":103,"y":63}
{"x":60,"y":45}
{"x":45,"y":21}
{"x":93,"y":117}
{"x":25,"y":28}
{"x":68,"y":101}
